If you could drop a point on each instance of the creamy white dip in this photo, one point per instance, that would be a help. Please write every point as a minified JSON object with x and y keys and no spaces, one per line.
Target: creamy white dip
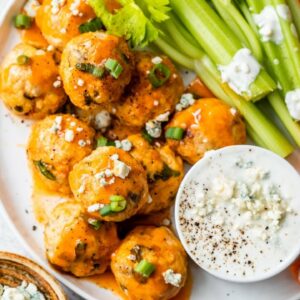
{"x":237,"y":213}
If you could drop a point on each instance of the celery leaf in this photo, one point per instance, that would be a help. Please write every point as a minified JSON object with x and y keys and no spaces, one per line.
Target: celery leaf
{"x":134,"y":20}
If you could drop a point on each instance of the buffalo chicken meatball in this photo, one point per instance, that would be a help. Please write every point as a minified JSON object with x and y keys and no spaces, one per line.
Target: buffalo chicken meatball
{"x":77,"y":244}
{"x":62,"y":20}
{"x":55,"y":145}
{"x":110,"y":183}
{"x":30,"y":85}
{"x":209,"y":124}
{"x":155,"y":90}
{"x":150,"y":264}
{"x":95,"y":69}
{"x":164,"y":172}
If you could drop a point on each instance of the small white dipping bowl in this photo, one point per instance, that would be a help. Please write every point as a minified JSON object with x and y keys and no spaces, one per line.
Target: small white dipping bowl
{"x":228,"y":252}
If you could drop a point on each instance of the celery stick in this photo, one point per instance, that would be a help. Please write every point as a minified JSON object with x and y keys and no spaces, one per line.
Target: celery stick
{"x":295,"y":8}
{"x":234,"y":19}
{"x":216,"y":38}
{"x":280,"y":108}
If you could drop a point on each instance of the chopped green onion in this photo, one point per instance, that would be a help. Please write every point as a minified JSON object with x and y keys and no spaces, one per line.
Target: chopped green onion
{"x":147,"y":136}
{"x":118,"y":206}
{"x":159,"y":75}
{"x":44,"y":170}
{"x":80,"y":247}
{"x":116,"y":198}
{"x":91,"y":69}
{"x":23,"y":60}
{"x":114,"y":67}
{"x":117,"y":203}
{"x":106,"y":211}
{"x":91,"y":26}
{"x":96,"y":224}
{"x":103,"y":142}
{"x":144,"y":268}
{"x":22,"y":21}
{"x":175,"y":133}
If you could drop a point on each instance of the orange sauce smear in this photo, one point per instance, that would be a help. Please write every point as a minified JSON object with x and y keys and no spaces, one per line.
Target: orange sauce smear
{"x":107,"y":281}
{"x":34,"y":37}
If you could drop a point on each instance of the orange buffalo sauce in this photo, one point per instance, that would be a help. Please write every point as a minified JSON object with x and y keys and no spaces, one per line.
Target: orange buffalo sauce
{"x":198,"y":89}
{"x":107,"y":281}
{"x":33,"y":36}
{"x":112,"y":5}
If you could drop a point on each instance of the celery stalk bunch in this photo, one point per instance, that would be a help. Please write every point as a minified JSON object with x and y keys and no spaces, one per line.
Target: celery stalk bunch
{"x":205,"y":37}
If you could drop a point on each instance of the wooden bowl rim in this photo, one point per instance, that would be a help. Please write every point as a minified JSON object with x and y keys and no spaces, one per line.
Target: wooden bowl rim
{"x":29,"y":264}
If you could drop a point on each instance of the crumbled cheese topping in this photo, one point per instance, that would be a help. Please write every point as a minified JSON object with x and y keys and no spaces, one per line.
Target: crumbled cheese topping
{"x":80,"y":82}
{"x":102,"y":120}
{"x":155,"y":102}
{"x":269,"y":25}
{"x":57,"y":83}
{"x":166,"y":222}
{"x":163,"y":117}
{"x":292,"y":100}
{"x":74,"y":8}
{"x":26,"y":291}
{"x":132,"y":257}
{"x":82,"y":143}
{"x":241,"y":72}
{"x":31,"y":7}
{"x":56,"y":125}
{"x":126,"y":145}
{"x":154,"y":128}
{"x":186,"y":100}
{"x":157,"y":60}
{"x":121,"y":169}
{"x":233,"y":111}
{"x":69,"y":135}
{"x":40,"y":52}
{"x":150,"y":200}
{"x":95,"y":207}
{"x":56,"y":5}
{"x":172,"y":278}
{"x":50,"y":48}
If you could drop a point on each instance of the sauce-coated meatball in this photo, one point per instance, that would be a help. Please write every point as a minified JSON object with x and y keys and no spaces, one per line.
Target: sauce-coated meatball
{"x":29,"y":82}
{"x":85,"y":66}
{"x":59,"y":21}
{"x":110,"y":183}
{"x":209,"y":124}
{"x":145,"y":102}
{"x":55,"y":145}
{"x":77,"y":244}
{"x":164,"y":172}
{"x":156,"y":246}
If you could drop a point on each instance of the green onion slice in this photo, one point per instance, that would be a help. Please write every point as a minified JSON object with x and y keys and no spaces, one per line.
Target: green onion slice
{"x":117,"y":203}
{"x":114,"y":67}
{"x":147,"y":136}
{"x":91,"y":69}
{"x":106,"y":210}
{"x":44,"y":170}
{"x":22,"y":21}
{"x":175,"y":133}
{"x":159,"y":75}
{"x":91,"y":26}
{"x":23,"y":60}
{"x":103,"y":142}
{"x":144,"y":268}
{"x":96,"y":224}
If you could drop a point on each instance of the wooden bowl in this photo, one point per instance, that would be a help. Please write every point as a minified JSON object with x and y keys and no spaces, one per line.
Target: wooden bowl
{"x":14,"y":269}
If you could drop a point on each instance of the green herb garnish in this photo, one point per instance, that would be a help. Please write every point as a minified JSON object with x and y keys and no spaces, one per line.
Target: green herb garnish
{"x":91,"y":26}
{"x":44,"y":170}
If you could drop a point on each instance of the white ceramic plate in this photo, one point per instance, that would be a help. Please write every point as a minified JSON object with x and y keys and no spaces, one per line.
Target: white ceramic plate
{"x":15,"y":194}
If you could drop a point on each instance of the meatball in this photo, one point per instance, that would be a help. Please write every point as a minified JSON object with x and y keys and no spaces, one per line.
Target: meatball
{"x":77,"y":244}
{"x":55,"y":145}
{"x":164,"y":172}
{"x":209,"y":124}
{"x":156,"y":246}
{"x":29,"y":84}
{"x":59,"y":21}
{"x":145,"y":101}
{"x":110,"y":183}
{"x":85,"y":69}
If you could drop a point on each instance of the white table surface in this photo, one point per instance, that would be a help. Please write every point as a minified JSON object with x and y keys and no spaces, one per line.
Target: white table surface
{"x":10,"y":243}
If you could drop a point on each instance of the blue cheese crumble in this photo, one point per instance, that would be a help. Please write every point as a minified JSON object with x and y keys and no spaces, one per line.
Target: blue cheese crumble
{"x":26,"y":291}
